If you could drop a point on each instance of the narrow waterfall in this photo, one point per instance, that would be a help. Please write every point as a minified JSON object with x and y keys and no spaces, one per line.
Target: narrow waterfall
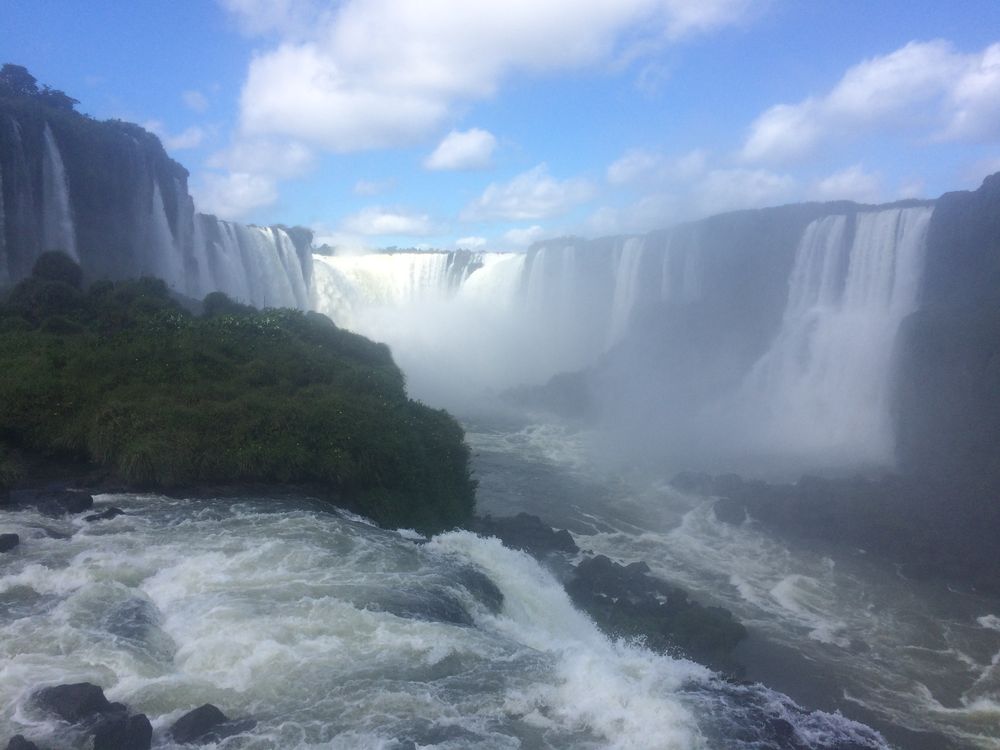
{"x":57,"y":214}
{"x":626,"y":286}
{"x":823,"y":386}
{"x":162,"y":255}
{"x":4,"y":261}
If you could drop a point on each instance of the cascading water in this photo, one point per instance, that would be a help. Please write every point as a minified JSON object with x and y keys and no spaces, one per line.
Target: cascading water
{"x":349,"y":286}
{"x":626,"y":283}
{"x":4,"y":261}
{"x":57,"y":215}
{"x":162,"y":258}
{"x":823,"y":386}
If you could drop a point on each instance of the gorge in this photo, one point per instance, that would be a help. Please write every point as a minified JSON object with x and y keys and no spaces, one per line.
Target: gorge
{"x":834,"y":338}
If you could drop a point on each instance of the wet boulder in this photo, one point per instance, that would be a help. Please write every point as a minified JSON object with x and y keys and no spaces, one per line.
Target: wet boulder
{"x":18,"y":742}
{"x":625,"y":601}
{"x":8,"y":542}
{"x":207,"y":724}
{"x":104,"y":515}
{"x":527,"y":533}
{"x":76,"y":703}
{"x":123,"y":732}
{"x":52,"y":502}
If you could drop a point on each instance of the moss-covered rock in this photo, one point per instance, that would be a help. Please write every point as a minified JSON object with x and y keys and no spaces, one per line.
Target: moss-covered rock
{"x":121,"y":376}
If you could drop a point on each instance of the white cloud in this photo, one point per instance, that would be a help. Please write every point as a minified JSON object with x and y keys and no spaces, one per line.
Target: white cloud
{"x":852,"y":183}
{"x":195,"y":100}
{"x":713,"y":192}
{"x":377,"y":221}
{"x":925,"y":87}
{"x":468,"y":149}
{"x":914,"y":187}
{"x":366,"y":74}
{"x":234,"y":195}
{"x":525,"y":236}
{"x":639,"y":166}
{"x":530,"y":195}
{"x":264,"y":156}
{"x":191,"y":137}
{"x":470,"y":242}
{"x":731,"y":189}
{"x":975,"y":98}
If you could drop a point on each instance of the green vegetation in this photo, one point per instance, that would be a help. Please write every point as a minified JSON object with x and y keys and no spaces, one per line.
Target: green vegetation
{"x":120,"y":375}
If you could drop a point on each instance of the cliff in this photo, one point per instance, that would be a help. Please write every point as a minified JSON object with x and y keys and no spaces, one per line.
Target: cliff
{"x":947,"y":374}
{"x":107,"y":194}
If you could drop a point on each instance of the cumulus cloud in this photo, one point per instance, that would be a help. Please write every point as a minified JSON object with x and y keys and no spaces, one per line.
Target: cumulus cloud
{"x":639,"y":166}
{"x":377,"y":221}
{"x":234,"y":195}
{"x":195,"y":100}
{"x":522,"y":237}
{"x":713,"y":191}
{"x":191,"y":137}
{"x":463,"y":149}
{"x":534,"y":194}
{"x":470,"y":242}
{"x":924,"y":86}
{"x":375,"y":73}
{"x":273,"y":158}
{"x":853,"y":183}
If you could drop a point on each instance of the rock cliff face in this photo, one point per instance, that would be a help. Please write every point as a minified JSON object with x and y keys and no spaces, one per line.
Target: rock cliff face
{"x":947,"y":374}
{"x":107,"y":194}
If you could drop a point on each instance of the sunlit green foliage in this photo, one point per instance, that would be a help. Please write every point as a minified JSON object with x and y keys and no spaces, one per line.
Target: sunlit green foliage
{"x":122,"y":376}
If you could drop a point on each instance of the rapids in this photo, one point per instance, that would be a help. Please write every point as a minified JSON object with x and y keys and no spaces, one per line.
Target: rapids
{"x":332,"y":633}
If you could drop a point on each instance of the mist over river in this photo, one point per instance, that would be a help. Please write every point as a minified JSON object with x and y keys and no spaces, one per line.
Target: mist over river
{"x":836,"y":629}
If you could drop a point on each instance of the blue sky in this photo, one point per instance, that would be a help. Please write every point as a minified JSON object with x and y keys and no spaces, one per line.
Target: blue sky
{"x":490,"y":124}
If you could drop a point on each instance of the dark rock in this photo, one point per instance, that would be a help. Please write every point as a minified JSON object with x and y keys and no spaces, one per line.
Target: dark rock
{"x":194,"y":725}
{"x":18,"y":742}
{"x":8,"y":542}
{"x":74,"y":703}
{"x":123,"y":732}
{"x":525,"y":532}
{"x":625,"y":601}
{"x":105,"y":515}
{"x":730,"y":511}
{"x":52,"y":502}
{"x":207,"y":724}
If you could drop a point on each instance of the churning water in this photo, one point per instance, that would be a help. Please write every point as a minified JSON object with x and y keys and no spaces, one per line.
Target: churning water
{"x":835,"y":629}
{"x":332,"y":633}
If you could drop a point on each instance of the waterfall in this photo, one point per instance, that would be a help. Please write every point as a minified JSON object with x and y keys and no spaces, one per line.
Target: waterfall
{"x":162,"y":254}
{"x":4,"y":262}
{"x":57,"y":214}
{"x":823,"y":385}
{"x":346,"y":287}
{"x":626,"y":286}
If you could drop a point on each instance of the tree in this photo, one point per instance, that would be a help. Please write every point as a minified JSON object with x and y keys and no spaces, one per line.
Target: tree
{"x":15,"y":80}
{"x":57,"y":99}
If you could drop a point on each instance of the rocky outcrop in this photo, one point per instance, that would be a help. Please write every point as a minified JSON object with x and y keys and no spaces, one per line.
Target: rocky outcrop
{"x":525,"y":532}
{"x":207,"y":724}
{"x":627,"y":602}
{"x":112,"y":725}
{"x":51,"y":502}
